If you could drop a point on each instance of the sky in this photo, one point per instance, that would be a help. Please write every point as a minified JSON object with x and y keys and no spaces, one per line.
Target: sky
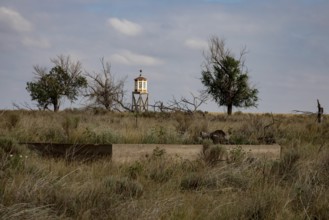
{"x":287,"y":43}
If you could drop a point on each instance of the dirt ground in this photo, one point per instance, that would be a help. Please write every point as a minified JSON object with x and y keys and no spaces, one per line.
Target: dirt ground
{"x":124,"y":153}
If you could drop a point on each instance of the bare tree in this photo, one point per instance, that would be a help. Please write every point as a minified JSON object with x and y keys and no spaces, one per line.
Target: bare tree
{"x":104,"y":91}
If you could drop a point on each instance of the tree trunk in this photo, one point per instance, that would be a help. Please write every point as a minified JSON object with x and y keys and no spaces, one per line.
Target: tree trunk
{"x":229,"y":109}
{"x":320,"y":112}
{"x":56,"y":105}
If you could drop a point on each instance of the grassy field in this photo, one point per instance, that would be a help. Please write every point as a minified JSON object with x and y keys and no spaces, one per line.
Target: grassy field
{"x":161,"y":186}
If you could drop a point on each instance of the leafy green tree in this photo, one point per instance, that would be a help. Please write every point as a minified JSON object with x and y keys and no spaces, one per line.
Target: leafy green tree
{"x":226,"y":78}
{"x":64,"y":80}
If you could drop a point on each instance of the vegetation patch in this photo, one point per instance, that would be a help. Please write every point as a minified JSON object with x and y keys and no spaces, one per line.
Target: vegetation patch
{"x":197,"y":181}
{"x":220,"y":184}
{"x":124,"y":187}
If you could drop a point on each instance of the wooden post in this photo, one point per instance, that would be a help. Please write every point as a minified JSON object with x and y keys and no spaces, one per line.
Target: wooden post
{"x":320,"y":112}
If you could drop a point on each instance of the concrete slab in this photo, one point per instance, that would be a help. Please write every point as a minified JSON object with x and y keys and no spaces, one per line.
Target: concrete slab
{"x":131,"y":152}
{"x":123,"y":153}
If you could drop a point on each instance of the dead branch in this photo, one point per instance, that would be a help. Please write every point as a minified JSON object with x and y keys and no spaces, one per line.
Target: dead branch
{"x":304,"y":112}
{"x":159,"y":106}
{"x":319,"y":113}
{"x":73,"y":68}
{"x":22,"y":106}
{"x":188,"y":105}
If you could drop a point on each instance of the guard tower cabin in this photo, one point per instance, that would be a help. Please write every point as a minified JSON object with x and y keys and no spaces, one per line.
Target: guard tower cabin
{"x":140,"y":94}
{"x":140,"y":84}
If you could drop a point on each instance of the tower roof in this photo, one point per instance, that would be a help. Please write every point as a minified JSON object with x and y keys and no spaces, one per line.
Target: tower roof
{"x":140,"y":78}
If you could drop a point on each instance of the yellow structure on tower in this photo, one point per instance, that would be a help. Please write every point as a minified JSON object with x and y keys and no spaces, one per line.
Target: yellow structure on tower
{"x":140,"y":94}
{"x":141,"y":84}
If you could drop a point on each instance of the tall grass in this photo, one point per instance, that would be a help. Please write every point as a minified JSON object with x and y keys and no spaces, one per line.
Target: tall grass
{"x":217,"y":185}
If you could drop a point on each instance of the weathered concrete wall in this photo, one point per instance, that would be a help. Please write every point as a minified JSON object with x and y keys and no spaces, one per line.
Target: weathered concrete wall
{"x":132,"y":152}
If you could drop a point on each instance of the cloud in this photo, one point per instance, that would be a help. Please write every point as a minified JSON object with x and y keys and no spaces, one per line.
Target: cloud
{"x":34,"y":42}
{"x":127,"y":57}
{"x":18,"y":29}
{"x":196,"y":44}
{"x":14,"y":20}
{"x":124,"y":26}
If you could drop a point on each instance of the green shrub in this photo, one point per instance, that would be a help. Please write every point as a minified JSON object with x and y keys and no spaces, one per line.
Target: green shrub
{"x":100,"y":111}
{"x":159,"y":167}
{"x":183,"y":122}
{"x":191,"y":166}
{"x":197,"y":181}
{"x":12,"y":120}
{"x":90,"y":136}
{"x":134,"y":170}
{"x":53,"y":134}
{"x":106,"y":138}
{"x":321,"y":173}
{"x":10,"y":146}
{"x":158,"y":152}
{"x":213,"y":153}
{"x":236,"y":155}
{"x":235,"y":180}
{"x":69,"y":125}
{"x":13,"y":162}
{"x":286,"y":168}
{"x":12,"y":155}
{"x":161,"y":172}
{"x":124,"y":187}
{"x":161,"y":135}
{"x":261,"y":205}
{"x":237,"y":138}
{"x":158,"y":135}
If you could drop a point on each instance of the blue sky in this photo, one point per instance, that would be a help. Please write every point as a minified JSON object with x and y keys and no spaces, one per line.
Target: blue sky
{"x":287,"y":42}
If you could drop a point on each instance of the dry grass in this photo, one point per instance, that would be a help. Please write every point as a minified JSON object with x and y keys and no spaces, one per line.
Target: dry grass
{"x":162,"y":186}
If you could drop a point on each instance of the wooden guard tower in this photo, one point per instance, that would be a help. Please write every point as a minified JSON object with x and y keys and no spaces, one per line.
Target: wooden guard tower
{"x":140,"y":95}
